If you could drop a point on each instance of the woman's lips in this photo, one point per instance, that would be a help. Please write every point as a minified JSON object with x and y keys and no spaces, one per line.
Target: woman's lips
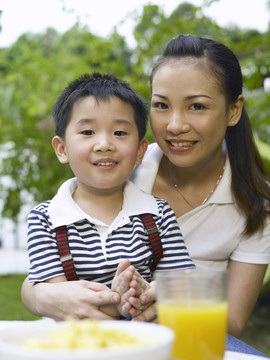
{"x":180,"y":145}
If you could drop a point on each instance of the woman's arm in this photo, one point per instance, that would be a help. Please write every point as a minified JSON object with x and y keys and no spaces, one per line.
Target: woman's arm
{"x":244,"y":285}
{"x":79,"y":299}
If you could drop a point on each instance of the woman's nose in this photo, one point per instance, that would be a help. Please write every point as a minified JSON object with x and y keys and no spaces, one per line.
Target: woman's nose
{"x":178,"y":123}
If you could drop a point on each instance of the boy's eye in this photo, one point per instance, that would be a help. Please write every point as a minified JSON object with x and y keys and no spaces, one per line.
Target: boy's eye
{"x":120,"y":133}
{"x":87,"y":132}
{"x":196,"y":106}
{"x":160,"y":105}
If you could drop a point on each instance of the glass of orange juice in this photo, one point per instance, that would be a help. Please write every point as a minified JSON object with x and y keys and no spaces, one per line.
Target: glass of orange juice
{"x":194,"y":304}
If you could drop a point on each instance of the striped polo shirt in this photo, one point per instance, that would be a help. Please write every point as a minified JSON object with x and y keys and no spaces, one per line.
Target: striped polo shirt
{"x":97,"y":248}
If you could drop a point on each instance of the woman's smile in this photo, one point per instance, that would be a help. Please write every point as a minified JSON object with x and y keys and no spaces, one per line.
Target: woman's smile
{"x":180,"y":145}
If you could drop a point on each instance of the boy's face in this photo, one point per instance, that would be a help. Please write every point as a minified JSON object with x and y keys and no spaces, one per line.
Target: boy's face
{"x":101,"y":143}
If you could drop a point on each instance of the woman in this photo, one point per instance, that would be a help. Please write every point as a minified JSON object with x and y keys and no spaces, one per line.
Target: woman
{"x":205,"y":164}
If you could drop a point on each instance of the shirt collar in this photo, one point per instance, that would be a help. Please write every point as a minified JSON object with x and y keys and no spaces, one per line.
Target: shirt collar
{"x":223,"y":193}
{"x":63,"y":210}
{"x":137,"y":201}
{"x":145,"y":174}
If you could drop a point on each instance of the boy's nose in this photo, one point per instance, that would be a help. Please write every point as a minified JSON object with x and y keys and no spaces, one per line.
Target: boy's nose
{"x":104,"y":144}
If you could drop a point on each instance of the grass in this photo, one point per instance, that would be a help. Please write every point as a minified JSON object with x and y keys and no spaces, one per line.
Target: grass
{"x":257,"y":333}
{"x":11,"y":307}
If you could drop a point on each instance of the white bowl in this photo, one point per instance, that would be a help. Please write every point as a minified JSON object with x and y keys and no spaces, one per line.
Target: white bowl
{"x":13,"y":340}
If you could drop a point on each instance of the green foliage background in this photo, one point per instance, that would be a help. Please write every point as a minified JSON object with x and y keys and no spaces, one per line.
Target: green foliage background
{"x":35,"y":69}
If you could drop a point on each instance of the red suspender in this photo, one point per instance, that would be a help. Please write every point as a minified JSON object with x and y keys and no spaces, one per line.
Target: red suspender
{"x":154,"y":238}
{"x":64,"y":252}
{"x":66,"y":257}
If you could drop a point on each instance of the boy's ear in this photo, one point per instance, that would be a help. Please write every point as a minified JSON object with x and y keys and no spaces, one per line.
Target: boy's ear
{"x":141,"y":151}
{"x":60,"y":149}
{"x":236,"y":111}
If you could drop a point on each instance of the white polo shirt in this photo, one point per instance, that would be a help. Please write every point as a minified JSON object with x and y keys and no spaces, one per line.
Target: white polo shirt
{"x":212,"y":232}
{"x":97,"y":248}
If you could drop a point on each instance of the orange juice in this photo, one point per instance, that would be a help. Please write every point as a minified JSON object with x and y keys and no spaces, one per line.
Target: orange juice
{"x":200,"y":329}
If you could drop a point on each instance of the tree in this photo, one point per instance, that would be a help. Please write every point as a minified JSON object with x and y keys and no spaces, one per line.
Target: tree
{"x":252,"y":48}
{"x":34,"y":71}
{"x":36,"y":67}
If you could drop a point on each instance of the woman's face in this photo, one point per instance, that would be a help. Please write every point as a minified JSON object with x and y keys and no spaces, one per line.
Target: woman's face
{"x":189,"y":114}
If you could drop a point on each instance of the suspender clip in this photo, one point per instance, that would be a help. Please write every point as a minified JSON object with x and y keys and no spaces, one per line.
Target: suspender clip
{"x":66,"y":258}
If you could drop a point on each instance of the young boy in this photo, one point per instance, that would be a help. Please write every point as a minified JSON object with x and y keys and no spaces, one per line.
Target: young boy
{"x":100,"y":125}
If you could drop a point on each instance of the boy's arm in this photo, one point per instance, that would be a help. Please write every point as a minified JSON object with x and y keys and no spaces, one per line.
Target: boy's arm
{"x":175,"y":253}
{"x":57,"y":279}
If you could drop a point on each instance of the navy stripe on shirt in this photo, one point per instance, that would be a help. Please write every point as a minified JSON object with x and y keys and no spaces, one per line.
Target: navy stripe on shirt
{"x":127,"y":242}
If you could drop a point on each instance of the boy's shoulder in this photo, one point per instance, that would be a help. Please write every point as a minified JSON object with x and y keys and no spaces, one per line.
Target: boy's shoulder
{"x":165,"y":211}
{"x":64,"y":189}
{"x":42,"y":207}
{"x":161,"y":202}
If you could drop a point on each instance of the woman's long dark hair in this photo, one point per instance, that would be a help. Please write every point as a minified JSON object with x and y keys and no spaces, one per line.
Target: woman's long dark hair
{"x":250,"y":185}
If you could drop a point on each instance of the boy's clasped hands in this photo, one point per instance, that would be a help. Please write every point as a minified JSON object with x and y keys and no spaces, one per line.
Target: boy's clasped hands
{"x":130,"y":285}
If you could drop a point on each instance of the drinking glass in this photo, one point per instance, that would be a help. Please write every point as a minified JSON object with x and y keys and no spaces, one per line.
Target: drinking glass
{"x":194,"y":304}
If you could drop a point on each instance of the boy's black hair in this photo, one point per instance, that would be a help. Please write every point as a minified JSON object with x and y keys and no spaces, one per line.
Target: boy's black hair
{"x":102,"y":87}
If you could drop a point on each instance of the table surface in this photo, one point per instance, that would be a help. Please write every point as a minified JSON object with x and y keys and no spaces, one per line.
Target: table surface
{"x":235,"y":348}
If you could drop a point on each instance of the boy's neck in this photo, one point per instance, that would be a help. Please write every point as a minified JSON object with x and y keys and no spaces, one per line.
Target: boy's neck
{"x":101,"y":205}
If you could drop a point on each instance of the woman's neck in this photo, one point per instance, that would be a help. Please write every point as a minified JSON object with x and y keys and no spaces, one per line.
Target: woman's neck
{"x":189,"y":187}
{"x":202,"y":173}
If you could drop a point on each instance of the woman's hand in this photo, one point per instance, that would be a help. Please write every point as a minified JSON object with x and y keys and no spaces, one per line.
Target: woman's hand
{"x":79,"y":299}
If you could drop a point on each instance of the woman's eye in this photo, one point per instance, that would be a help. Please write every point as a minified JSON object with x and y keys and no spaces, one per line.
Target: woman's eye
{"x":160,"y":105}
{"x":196,"y":106}
{"x":120,"y":133}
{"x":87,"y":132}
